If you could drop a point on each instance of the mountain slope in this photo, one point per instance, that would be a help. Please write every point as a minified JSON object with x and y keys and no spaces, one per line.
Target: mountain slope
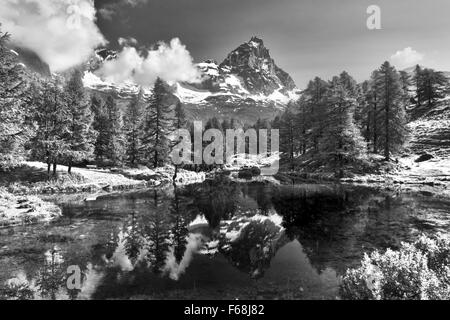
{"x":246,"y":86}
{"x":31,"y":61}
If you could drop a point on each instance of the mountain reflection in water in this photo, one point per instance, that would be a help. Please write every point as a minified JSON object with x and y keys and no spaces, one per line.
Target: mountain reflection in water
{"x":216,"y":240}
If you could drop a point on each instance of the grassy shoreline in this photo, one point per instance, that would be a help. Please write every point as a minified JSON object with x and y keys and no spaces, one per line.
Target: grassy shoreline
{"x":27,"y":185}
{"x":25,"y":210}
{"x":31,"y":179}
{"x":432,"y":175}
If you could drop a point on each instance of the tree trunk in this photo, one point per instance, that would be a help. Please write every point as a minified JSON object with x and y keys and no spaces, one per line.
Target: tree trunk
{"x":155,"y":160}
{"x":54,"y":168}
{"x":386,"y":126}
{"x":70,"y":167}
{"x":175,"y":174}
{"x":369,"y":119}
{"x":375,"y":129}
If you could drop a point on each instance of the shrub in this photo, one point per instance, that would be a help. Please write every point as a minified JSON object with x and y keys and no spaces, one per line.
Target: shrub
{"x":418,"y":271}
{"x":9,"y":162}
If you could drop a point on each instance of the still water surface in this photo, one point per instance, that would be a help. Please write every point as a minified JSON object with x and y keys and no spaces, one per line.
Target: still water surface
{"x":216,"y":240}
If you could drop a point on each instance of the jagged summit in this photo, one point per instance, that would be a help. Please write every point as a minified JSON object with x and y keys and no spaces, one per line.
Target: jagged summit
{"x":247,"y":82}
{"x":252,"y":62}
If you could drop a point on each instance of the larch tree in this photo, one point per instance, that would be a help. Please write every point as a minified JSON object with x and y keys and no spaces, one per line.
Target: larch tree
{"x":115,"y":148}
{"x":373,"y":103}
{"x":12,"y":104}
{"x":132,"y":126}
{"x":180,"y":116}
{"x":288,"y":145}
{"x":80,"y":135}
{"x":315,"y":112}
{"x":101,"y":126}
{"x":406,"y":82}
{"x":433,"y":87}
{"x":391,"y":120}
{"x":342,"y":142}
{"x":156,"y":128}
{"x":50,"y":118}
{"x":417,"y":80}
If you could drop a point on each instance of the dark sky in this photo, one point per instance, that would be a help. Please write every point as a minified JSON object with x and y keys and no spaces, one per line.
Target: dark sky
{"x":306,"y":38}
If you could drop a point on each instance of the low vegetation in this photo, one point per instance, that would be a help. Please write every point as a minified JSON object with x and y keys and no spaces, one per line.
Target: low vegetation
{"x":418,"y":271}
{"x":23,"y":210}
{"x":32,"y":178}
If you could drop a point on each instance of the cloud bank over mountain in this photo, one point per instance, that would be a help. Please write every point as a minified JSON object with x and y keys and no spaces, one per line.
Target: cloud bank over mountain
{"x":171,"y":62}
{"x":62,"y":32}
{"x":407,"y":57}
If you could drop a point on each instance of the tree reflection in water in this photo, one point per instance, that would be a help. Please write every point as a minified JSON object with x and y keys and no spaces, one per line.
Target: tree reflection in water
{"x":150,"y":243}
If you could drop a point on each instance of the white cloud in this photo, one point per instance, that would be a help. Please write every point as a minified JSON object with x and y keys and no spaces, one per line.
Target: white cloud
{"x":171,"y":62}
{"x":135,"y":3}
{"x":62,"y":32}
{"x":407,"y":57}
{"x":114,"y":6}
{"x":127,"y":42}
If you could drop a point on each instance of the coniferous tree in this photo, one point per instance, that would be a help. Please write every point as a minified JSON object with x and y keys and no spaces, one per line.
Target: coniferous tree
{"x":115,"y":134}
{"x":363,"y":112}
{"x":156,"y":128}
{"x":180,"y":116}
{"x":433,"y":87}
{"x":180,"y":122}
{"x":288,"y":138}
{"x":50,"y":119}
{"x":302,"y":124}
{"x":226,"y":124}
{"x":80,"y":135}
{"x":315,"y":111}
{"x":101,"y":127}
{"x":13,"y":104}
{"x":391,"y":120}
{"x":417,"y":79}
{"x":133,"y":119}
{"x":373,"y":102}
{"x":406,"y":82}
{"x":234,"y":124}
{"x":342,"y":142}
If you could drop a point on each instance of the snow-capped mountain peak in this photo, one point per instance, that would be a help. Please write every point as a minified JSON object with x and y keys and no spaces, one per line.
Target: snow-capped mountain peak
{"x":248,"y":73}
{"x":248,"y":79}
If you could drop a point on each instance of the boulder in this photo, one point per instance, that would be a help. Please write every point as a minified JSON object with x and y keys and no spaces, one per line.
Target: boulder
{"x":424,"y":157}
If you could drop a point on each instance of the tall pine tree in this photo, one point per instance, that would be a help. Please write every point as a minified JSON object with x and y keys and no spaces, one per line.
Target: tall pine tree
{"x":80,"y":135}
{"x":342,"y":142}
{"x":115,"y":137}
{"x":50,"y":118}
{"x":434,"y":86}
{"x":180,"y":116}
{"x":12,"y":105}
{"x":391,"y":120}
{"x":133,"y":119}
{"x":157,"y":126}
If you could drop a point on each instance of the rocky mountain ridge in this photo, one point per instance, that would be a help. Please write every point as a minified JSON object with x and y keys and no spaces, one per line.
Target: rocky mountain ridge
{"x":247,"y":85}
